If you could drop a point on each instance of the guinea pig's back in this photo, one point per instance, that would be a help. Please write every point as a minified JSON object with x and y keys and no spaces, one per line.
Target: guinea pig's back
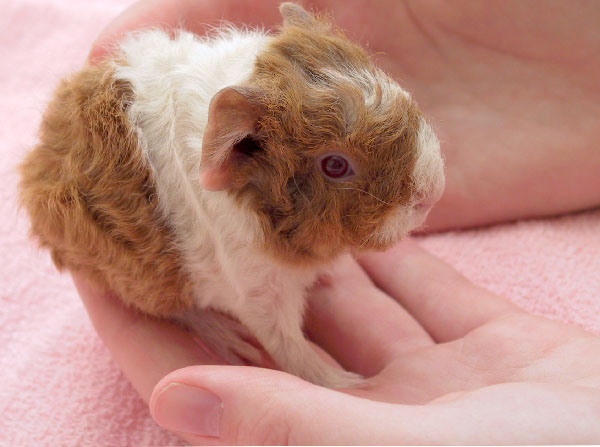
{"x":91,"y":196}
{"x":111,"y":187}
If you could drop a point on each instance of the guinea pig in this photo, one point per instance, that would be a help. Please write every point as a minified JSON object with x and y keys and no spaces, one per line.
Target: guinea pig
{"x":211,"y":180}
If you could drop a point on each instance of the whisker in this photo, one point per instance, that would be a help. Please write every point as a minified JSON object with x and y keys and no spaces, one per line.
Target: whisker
{"x":366,"y":192}
{"x":363,"y":242}
{"x":386,"y":232}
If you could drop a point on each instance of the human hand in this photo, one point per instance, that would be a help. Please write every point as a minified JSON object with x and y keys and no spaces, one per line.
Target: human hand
{"x":509,"y":86}
{"x":449,"y":362}
{"x":546,"y":163}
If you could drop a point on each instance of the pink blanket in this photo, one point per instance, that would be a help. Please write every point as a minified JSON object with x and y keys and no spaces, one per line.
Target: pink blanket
{"x":59,"y":385}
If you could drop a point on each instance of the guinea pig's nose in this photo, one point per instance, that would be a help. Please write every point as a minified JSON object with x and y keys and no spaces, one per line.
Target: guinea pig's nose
{"x":424,"y":205}
{"x":426,"y":200}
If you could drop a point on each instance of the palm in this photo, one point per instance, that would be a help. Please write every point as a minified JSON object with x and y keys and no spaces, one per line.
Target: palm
{"x":517,"y":348}
{"x":450,"y":337}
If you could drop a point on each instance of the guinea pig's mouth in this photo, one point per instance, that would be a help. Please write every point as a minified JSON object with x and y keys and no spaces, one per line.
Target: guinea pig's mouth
{"x":396,"y":226}
{"x":424,"y":206}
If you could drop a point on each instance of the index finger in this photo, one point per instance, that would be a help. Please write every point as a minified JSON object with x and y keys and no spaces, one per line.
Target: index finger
{"x":193,"y":15}
{"x":446,"y":303}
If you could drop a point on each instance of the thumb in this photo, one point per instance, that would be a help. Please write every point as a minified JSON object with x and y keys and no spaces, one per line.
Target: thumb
{"x":225,"y":405}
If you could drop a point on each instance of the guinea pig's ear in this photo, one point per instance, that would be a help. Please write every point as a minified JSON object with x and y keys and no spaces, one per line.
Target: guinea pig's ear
{"x":295,"y":15}
{"x":232,"y":116}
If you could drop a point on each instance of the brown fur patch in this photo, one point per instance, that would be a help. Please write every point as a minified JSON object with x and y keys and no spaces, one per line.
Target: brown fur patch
{"x":92,"y":200}
{"x":307,"y":218}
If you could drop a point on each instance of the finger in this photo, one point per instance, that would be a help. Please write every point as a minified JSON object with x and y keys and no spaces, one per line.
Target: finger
{"x":358,"y":324}
{"x":232,"y":405}
{"x":441,"y":299}
{"x":141,"y":14}
{"x":146,"y":349}
{"x":192,"y":15}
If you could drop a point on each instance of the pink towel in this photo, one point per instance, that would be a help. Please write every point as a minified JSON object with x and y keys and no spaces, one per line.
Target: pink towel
{"x":59,"y":385}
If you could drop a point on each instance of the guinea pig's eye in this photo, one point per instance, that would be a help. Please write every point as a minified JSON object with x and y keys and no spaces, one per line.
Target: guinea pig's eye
{"x":336,"y":167}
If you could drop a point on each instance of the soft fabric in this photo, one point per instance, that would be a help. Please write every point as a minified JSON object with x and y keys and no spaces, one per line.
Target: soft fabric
{"x":59,"y":385}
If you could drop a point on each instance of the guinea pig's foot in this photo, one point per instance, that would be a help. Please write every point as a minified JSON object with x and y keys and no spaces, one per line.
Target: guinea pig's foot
{"x":223,"y":336}
{"x":313,"y":368}
{"x":236,"y":351}
{"x":337,"y":378}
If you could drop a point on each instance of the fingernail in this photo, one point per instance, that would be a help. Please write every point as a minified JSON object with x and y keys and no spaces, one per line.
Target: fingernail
{"x":188,"y":409}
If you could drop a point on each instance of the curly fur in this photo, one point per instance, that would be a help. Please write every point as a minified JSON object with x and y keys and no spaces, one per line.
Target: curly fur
{"x":91,"y":198}
{"x":182,"y":175}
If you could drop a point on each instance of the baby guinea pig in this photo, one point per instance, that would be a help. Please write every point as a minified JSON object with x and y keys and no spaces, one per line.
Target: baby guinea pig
{"x":211,"y":180}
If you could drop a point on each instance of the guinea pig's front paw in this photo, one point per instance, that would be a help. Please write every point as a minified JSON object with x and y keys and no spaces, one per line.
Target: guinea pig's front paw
{"x":327,"y":375}
{"x":234,"y":350}
{"x":336,"y":378}
{"x":224,"y":337}
{"x":302,"y":360}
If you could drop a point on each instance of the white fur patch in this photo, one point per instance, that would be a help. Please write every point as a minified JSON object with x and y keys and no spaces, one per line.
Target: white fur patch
{"x":366,"y":81}
{"x":428,"y":179}
{"x":428,"y":174}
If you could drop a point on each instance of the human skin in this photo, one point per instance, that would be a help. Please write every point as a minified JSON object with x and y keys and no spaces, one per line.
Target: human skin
{"x":509,"y":89}
{"x":448,"y":362}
